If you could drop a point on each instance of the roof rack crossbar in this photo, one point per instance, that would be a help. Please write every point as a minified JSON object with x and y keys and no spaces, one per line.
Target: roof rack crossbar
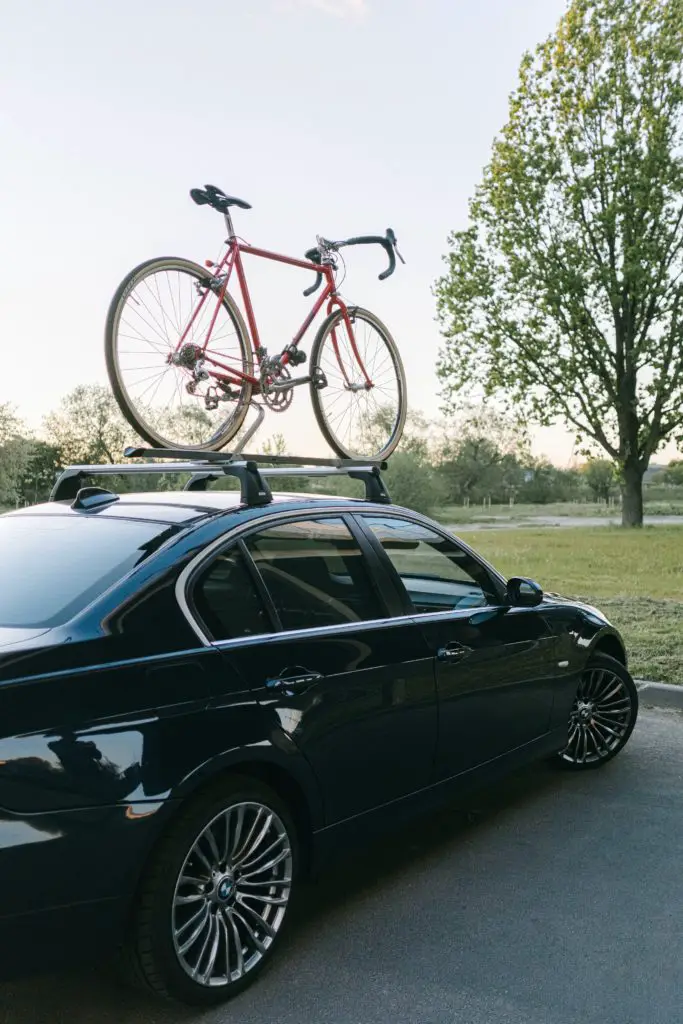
{"x":226,"y":458}
{"x":206,"y":467}
{"x":254,"y":489}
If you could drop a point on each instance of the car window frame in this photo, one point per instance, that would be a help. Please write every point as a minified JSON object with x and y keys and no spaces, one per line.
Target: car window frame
{"x":387,"y":596}
{"x":256,"y":579}
{"x":498,"y":586}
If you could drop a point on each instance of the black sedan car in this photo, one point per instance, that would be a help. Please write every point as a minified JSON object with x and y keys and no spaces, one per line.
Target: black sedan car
{"x":205,"y":694}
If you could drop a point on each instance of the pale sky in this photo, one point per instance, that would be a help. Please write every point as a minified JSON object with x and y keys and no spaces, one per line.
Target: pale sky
{"x":332,"y":117}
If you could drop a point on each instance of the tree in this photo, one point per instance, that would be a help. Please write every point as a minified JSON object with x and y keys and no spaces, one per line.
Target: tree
{"x":14,"y":454}
{"x":481,"y":455}
{"x":40,"y":472}
{"x":565,"y":292}
{"x":88,"y":427}
{"x":673,"y":474}
{"x":276,"y":445}
{"x":599,"y":475}
{"x":410,"y":476}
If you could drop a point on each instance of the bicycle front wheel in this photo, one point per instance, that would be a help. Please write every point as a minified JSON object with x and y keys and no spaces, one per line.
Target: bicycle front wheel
{"x":177,"y":384}
{"x":358,"y":390}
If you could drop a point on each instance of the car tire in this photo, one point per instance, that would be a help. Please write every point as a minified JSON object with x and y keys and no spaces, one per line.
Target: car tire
{"x":197,"y":885}
{"x":603,"y":715}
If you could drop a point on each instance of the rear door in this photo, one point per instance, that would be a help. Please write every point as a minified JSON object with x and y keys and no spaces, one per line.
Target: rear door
{"x":297,"y":609}
{"x":493,"y":663}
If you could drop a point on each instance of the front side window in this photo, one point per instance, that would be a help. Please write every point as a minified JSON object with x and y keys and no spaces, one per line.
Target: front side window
{"x":315,"y":574}
{"x":437,"y":573}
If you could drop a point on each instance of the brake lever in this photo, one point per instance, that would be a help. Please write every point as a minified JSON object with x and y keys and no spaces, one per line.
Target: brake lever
{"x":391,"y":237}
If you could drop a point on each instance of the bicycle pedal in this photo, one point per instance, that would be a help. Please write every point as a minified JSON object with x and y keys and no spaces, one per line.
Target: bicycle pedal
{"x":296,"y":356}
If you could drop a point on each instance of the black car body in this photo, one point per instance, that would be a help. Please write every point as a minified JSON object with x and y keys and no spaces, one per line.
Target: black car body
{"x":154,"y":646}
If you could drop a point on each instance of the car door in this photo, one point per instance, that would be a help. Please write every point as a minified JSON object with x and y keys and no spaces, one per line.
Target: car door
{"x":296,"y":608}
{"x":494,"y":664}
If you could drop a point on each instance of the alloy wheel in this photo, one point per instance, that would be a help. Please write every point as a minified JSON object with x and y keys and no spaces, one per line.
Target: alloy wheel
{"x":600,"y":719}
{"x":232,"y":893}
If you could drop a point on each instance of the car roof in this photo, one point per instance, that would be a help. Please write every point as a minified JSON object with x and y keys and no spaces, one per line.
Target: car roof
{"x":179,"y":507}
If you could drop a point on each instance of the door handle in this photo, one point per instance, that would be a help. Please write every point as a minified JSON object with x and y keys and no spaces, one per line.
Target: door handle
{"x":293,"y":680}
{"x":453,"y":652}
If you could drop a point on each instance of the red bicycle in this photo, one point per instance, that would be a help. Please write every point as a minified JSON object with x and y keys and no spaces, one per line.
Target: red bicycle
{"x":185,"y":368}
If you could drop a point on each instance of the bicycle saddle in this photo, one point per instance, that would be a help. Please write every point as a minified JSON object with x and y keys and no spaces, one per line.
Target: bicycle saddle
{"x":216,"y":198}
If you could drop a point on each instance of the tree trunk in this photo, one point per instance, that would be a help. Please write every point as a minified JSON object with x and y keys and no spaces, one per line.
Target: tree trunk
{"x":632,"y":495}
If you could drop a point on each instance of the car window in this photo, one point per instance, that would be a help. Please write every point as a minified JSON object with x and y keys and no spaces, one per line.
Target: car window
{"x":437,"y":573}
{"x":227,"y":599}
{"x":315,"y":573}
{"x":53,"y":566}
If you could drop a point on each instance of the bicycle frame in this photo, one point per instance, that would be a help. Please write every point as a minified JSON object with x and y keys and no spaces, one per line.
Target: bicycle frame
{"x":232,"y":260}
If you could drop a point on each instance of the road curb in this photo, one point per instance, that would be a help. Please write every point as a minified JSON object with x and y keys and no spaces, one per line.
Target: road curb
{"x":660,"y":695}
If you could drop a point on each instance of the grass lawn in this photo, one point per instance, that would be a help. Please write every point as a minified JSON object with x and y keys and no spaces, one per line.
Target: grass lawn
{"x":635,"y":577}
{"x":574,"y":509}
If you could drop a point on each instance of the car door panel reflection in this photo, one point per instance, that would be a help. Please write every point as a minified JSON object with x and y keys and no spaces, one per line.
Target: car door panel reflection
{"x":67,"y":769}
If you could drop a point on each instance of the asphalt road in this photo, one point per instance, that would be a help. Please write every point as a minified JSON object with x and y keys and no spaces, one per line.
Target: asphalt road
{"x":561,"y":903}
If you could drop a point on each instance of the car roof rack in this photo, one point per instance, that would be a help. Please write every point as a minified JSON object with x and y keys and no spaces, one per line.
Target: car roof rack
{"x":206,"y":467}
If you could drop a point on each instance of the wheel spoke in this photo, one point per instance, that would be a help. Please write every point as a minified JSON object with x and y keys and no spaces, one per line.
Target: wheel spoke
{"x":213,"y":953}
{"x":251,"y":862}
{"x":275,"y":901}
{"x":203,"y":916}
{"x":252,"y":844}
{"x":207,"y":864}
{"x":258,"y":943}
{"x":237,"y":939}
{"x":211,"y":840}
{"x":260,"y":920}
{"x":202,"y":951}
{"x":238,"y":831}
{"x":182,"y":901}
{"x":266,"y":867}
{"x":282,"y":883}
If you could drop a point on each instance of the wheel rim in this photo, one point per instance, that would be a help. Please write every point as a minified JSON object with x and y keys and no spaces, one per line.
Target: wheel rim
{"x":152,"y":317}
{"x":600,"y":717}
{"x":231,"y":895}
{"x":363,"y":420}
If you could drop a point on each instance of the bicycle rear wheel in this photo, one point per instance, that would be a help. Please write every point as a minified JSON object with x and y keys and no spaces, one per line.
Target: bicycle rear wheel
{"x":359,"y":417}
{"x":163,"y":401}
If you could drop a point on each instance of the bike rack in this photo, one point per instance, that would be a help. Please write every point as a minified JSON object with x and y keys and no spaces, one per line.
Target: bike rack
{"x":260,"y":415}
{"x":252,"y":471}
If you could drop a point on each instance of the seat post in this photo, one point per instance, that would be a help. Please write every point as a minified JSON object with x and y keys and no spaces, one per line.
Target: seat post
{"x":228,"y":224}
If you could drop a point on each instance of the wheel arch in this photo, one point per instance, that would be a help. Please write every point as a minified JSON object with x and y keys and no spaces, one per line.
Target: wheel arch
{"x":288,"y":776}
{"x":612,"y":645}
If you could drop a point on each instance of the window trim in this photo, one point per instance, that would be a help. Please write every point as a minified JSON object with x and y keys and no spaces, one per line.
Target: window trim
{"x":190,"y":575}
{"x":496,"y":580}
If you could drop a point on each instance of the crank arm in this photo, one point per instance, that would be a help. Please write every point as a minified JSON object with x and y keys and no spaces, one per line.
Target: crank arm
{"x":288,"y":385}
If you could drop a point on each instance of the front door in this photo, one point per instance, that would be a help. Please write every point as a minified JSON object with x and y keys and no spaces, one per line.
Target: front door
{"x":296,"y":610}
{"x":493,"y":663}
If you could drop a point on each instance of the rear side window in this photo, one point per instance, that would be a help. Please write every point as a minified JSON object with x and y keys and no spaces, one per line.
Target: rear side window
{"x":315,"y":574}
{"x":227,"y":599}
{"x":52,"y":567}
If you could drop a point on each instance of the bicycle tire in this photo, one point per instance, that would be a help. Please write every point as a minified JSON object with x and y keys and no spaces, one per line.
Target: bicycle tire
{"x":145,"y":430}
{"x":341,"y":449}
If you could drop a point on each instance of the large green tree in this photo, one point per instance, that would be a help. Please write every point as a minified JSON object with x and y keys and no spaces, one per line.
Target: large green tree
{"x":565,"y":292}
